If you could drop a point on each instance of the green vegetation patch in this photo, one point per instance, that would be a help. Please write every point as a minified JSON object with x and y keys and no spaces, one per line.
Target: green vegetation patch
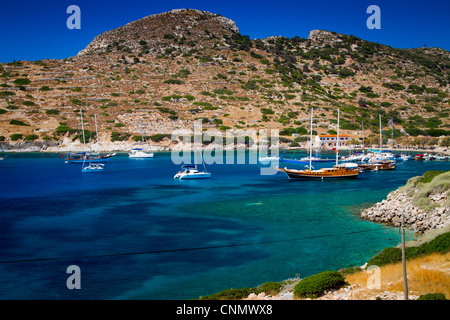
{"x":119,"y":136}
{"x":269,"y":288}
{"x":428,"y":176}
{"x":440,"y":244}
{"x":434,"y":181}
{"x":316,"y":285}
{"x":18,"y":123}
{"x":433,"y":296}
{"x":16,"y":136}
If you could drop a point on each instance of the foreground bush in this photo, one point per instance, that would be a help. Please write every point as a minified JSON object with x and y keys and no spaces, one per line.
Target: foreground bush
{"x":433,"y":296}
{"x":314,"y":286}
{"x":440,"y":244}
{"x":229,"y":294}
{"x":270,"y":288}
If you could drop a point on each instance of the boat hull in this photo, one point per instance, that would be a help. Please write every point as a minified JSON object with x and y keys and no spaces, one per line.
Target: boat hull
{"x":321,"y":174}
{"x":146,"y":156}
{"x":193,"y":176}
{"x":90,"y":159}
{"x":377,"y":167}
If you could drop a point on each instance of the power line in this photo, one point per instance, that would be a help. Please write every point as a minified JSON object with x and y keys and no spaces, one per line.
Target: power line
{"x":189,"y":249}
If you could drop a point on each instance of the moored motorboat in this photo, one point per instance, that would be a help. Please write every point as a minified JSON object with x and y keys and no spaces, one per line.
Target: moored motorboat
{"x":94,"y":167}
{"x":377,"y":166}
{"x":138,"y":153}
{"x":419,"y":157}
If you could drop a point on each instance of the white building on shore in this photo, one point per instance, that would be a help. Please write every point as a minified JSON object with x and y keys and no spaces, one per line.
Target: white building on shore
{"x":329,"y":141}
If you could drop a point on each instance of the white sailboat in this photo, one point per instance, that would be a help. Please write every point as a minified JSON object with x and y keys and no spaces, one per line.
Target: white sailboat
{"x":85,"y":157}
{"x":191,"y":171}
{"x":3,"y":154}
{"x":269,"y":157}
{"x":93,"y":166}
{"x":139,"y":153}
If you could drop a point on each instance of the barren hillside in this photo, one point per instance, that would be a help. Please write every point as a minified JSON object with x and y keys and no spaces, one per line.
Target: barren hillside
{"x":172,"y":68}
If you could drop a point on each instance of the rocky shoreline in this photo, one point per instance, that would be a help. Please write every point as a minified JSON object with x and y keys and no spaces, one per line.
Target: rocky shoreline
{"x":401,"y":203}
{"x":67,"y":145}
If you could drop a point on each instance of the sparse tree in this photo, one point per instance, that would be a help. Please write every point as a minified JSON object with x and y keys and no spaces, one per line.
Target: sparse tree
{"x":445,"y":142}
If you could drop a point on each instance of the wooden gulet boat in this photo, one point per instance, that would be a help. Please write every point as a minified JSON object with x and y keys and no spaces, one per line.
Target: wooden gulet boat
{"x":339,"y":171}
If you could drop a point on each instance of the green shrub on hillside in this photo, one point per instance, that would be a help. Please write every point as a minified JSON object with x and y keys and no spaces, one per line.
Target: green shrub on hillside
{"x":437,"y":182}
{"x":428,"y":177}
{"x":31,"y":137}
{"x":316,"y":285}
{"x":22,"y":81}
{"x":18,"y":123}
{"x":118,"y":136}
{"x":433,"y":296}
{"x":15,"y":136}
{"x":52,"y":112}
{"x":440,"y":244}
{"x":229,"y":294}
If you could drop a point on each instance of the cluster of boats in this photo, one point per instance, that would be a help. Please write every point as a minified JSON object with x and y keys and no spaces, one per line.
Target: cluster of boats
{"x":351,"y":166}
{"x":346,"y":167}
{"x":96,"y":161}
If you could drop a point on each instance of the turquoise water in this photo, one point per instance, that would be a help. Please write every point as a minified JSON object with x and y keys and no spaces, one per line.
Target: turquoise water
{"x":246,"y":228}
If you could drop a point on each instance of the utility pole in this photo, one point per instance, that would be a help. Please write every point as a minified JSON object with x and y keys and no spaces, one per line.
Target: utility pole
{"x":405,"y":279}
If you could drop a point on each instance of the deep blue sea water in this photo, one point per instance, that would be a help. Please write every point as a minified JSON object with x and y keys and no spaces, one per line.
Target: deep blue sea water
{"x":248,"y":228}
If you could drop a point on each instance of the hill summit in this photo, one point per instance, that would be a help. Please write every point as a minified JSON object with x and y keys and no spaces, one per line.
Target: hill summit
{"x":150,"y":34}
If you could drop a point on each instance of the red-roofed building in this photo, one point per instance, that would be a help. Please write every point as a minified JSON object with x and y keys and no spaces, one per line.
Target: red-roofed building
{"x":330,"y":140}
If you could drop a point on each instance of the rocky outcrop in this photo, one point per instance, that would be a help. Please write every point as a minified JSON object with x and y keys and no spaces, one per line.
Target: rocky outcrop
{"x":179,"y":28}
{"x":401,"y":203}
{"x":322,"y":37}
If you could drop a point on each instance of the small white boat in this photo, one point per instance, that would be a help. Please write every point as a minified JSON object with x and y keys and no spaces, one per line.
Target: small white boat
{"x":3,"y":153}
{"x":403,"y":157}
{"x":138,"y":153}
{"x":94,"y":167}
{"x":268,"y":159}
{"x":191,"y":172}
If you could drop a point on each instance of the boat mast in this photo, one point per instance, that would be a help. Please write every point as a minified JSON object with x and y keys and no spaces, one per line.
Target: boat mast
{"x":82,"y":129}
{"x":84,"y":140}
{"x":337,"y":141}
{"x":142,"y":135}
{"x":96,"y":133}
{"x":364,"y":142}
{"x":310,"y":140}
{"x":381,"y":137}
{"x":392,"y":134}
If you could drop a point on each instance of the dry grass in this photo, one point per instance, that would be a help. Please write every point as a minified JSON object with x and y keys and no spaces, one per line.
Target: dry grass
{"x":426,"y":274}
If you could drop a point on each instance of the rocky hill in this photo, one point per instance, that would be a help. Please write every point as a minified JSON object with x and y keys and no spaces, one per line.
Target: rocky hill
{"x":172,"y":68}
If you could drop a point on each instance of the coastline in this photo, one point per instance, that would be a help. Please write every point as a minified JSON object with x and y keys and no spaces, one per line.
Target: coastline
{"x":67,"y":146}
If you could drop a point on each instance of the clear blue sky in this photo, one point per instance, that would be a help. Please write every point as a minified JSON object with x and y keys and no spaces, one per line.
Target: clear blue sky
{"x":33,"y":30}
